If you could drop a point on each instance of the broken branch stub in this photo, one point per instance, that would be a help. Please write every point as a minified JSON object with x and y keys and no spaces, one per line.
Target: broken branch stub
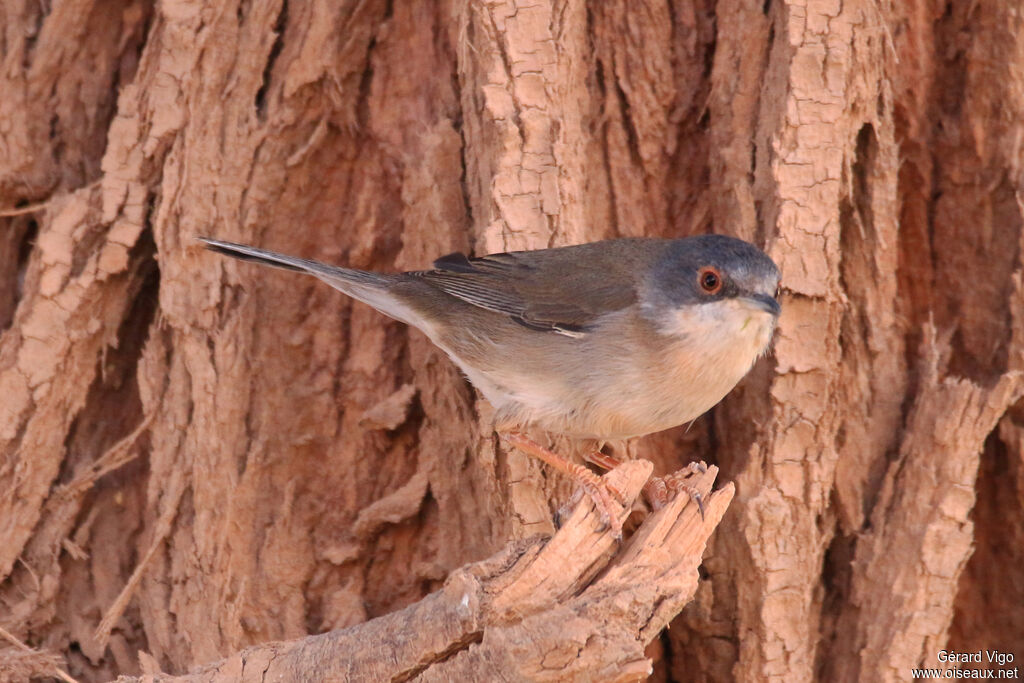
{"x":576,"y":607}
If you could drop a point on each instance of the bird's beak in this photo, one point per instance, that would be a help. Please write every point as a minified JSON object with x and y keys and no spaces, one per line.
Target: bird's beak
{"x":764,"y":303}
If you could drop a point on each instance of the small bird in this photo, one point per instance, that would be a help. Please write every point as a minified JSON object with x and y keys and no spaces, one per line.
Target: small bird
{"x":606,"y":340}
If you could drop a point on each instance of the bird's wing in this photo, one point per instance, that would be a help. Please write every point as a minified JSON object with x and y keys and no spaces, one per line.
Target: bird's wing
{"x":558,"y":290}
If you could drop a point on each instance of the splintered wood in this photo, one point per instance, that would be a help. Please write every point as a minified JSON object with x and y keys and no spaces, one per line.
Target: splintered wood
{"x":568,"y":608}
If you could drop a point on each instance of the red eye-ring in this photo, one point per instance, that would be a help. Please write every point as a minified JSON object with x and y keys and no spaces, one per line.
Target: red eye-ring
{"x":709,"y":279}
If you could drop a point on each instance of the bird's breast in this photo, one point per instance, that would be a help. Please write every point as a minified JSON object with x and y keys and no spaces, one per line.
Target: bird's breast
{"x":620,"y":380}
{"x":654,"y":383}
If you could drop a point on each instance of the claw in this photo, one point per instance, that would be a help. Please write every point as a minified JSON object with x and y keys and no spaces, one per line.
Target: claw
{"x":658,"y":489}
{"x":607,"y":499}
{"x":699,"y":500}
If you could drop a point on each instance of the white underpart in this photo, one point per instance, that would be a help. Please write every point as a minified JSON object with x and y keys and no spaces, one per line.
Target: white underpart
{"x":731,"y":333}
{"x":705,"y":351}
{"x":619,"y":385}
{"x":718,"y":344}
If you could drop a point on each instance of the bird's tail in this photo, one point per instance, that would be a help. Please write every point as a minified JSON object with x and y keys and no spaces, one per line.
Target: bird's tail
{"x":336,"y":276}
{"x":374,"y":289}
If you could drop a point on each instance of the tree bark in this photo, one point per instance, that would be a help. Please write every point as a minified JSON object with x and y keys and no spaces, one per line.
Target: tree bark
{"x":198,"y":457}
{"x":568,"y":609}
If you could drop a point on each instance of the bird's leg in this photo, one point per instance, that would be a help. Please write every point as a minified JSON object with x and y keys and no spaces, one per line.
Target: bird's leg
{"x":607,"y":500}
{"x":602,"y":460}
{"x":658,"y":490}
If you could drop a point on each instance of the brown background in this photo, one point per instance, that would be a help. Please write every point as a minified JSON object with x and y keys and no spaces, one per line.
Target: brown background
{"x":197,"y":455}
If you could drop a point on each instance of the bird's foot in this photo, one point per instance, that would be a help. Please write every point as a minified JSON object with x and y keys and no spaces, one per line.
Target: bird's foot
{"x":660,"y":490}
{"x":608,"y":501}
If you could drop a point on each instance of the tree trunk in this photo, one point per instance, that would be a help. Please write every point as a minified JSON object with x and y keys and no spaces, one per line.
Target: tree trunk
{"x":198,"y":456}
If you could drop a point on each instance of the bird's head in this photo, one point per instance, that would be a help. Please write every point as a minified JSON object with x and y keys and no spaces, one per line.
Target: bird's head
{"x":716,"y":291}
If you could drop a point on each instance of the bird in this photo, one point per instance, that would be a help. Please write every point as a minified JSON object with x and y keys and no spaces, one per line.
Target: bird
{"x":612,"y":339}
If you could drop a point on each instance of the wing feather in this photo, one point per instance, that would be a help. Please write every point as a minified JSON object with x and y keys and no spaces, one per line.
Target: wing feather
{"x":555,"y":290}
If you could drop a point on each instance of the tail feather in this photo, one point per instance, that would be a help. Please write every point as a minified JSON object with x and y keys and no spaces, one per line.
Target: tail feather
{"x":333,"y":275}
{"x":247,"y":253}
{"x":370,"y":288}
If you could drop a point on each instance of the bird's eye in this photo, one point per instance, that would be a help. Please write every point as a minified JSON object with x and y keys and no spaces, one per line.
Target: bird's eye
{"x":709,"y":279}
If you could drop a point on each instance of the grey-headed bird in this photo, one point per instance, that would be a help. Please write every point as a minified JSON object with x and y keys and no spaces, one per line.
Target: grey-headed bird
{"x":606,"y":340}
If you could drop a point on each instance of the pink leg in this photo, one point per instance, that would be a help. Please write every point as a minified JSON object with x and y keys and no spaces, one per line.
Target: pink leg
{"x":607,"y":500}
{"x":658,"y":490}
